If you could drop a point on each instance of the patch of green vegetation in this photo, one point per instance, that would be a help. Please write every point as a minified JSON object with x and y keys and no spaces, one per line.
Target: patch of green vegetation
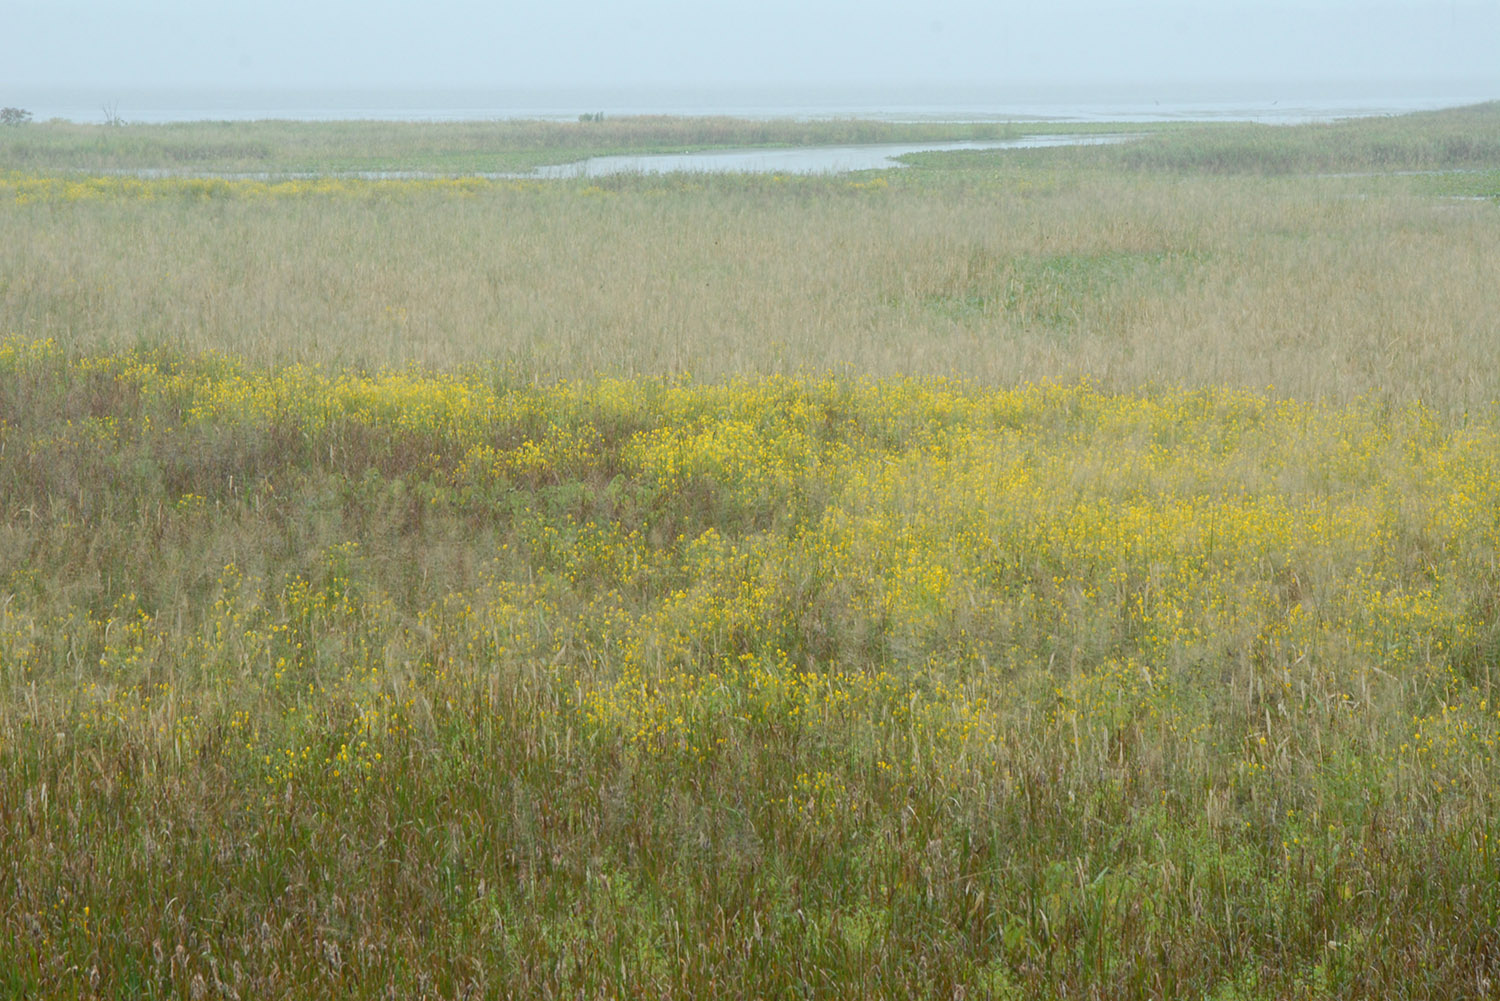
{"x":1451,"y":139}
{"x":1057,"y":293}
{"x":1459,"y":184}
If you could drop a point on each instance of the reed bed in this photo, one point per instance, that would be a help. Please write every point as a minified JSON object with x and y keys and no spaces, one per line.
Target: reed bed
{"x":1317,"y":288}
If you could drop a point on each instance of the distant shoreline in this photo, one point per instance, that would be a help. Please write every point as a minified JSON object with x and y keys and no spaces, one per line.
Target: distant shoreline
{"x":1263,"y":102}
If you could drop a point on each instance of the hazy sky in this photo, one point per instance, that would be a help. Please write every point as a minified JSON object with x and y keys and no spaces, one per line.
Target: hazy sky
{"x":547,"y":43}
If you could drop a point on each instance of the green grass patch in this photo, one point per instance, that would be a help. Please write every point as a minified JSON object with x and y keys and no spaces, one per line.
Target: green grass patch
{"x":1060,"y":294}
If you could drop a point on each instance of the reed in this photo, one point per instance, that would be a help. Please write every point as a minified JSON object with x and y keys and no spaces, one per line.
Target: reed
{"x":1321,"y":288}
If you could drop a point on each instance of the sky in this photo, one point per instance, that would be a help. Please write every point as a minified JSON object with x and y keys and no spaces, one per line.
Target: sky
{"x":398,"y":44}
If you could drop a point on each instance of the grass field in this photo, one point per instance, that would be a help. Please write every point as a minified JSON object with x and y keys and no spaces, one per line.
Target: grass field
{"x":1046,"y":573}
{"x":468,"y":147}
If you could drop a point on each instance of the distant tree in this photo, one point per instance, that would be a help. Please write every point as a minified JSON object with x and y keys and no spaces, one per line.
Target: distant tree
{"x":14,"y":116}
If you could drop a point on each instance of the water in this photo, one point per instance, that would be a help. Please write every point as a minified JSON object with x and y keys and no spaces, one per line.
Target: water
{"x":801,"y":160}
{"x":798,"y":160}
{"x":1273,"y":102}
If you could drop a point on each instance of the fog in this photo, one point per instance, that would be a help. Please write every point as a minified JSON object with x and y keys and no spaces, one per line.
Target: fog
{"x":104,"y":48}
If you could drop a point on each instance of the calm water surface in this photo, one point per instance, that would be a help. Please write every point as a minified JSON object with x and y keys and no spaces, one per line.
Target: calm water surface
{"x":799,"y":160}
{"x":794,"y":160}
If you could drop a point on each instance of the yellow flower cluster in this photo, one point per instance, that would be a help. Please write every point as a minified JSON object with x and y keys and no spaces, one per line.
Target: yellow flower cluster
{"x":929,"y":565}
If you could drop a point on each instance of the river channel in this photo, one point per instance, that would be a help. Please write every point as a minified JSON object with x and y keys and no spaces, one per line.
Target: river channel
{"x":800,"y":159}
{"x":761,"y":160}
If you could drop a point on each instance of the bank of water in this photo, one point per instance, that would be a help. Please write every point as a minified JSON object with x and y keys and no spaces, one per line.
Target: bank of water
{"x":761,"y":160}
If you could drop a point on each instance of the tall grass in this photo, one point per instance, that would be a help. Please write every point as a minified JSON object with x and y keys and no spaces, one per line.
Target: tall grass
{"x":319,"y":684}
{"x":1018,"y":577}
{"x":1323,"y":288}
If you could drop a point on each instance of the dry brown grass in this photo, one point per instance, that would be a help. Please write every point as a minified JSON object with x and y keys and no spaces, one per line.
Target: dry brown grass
{"x":1322,"y":288}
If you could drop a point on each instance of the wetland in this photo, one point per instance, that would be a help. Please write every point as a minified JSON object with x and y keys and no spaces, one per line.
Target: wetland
{"x":1028,"y":571}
